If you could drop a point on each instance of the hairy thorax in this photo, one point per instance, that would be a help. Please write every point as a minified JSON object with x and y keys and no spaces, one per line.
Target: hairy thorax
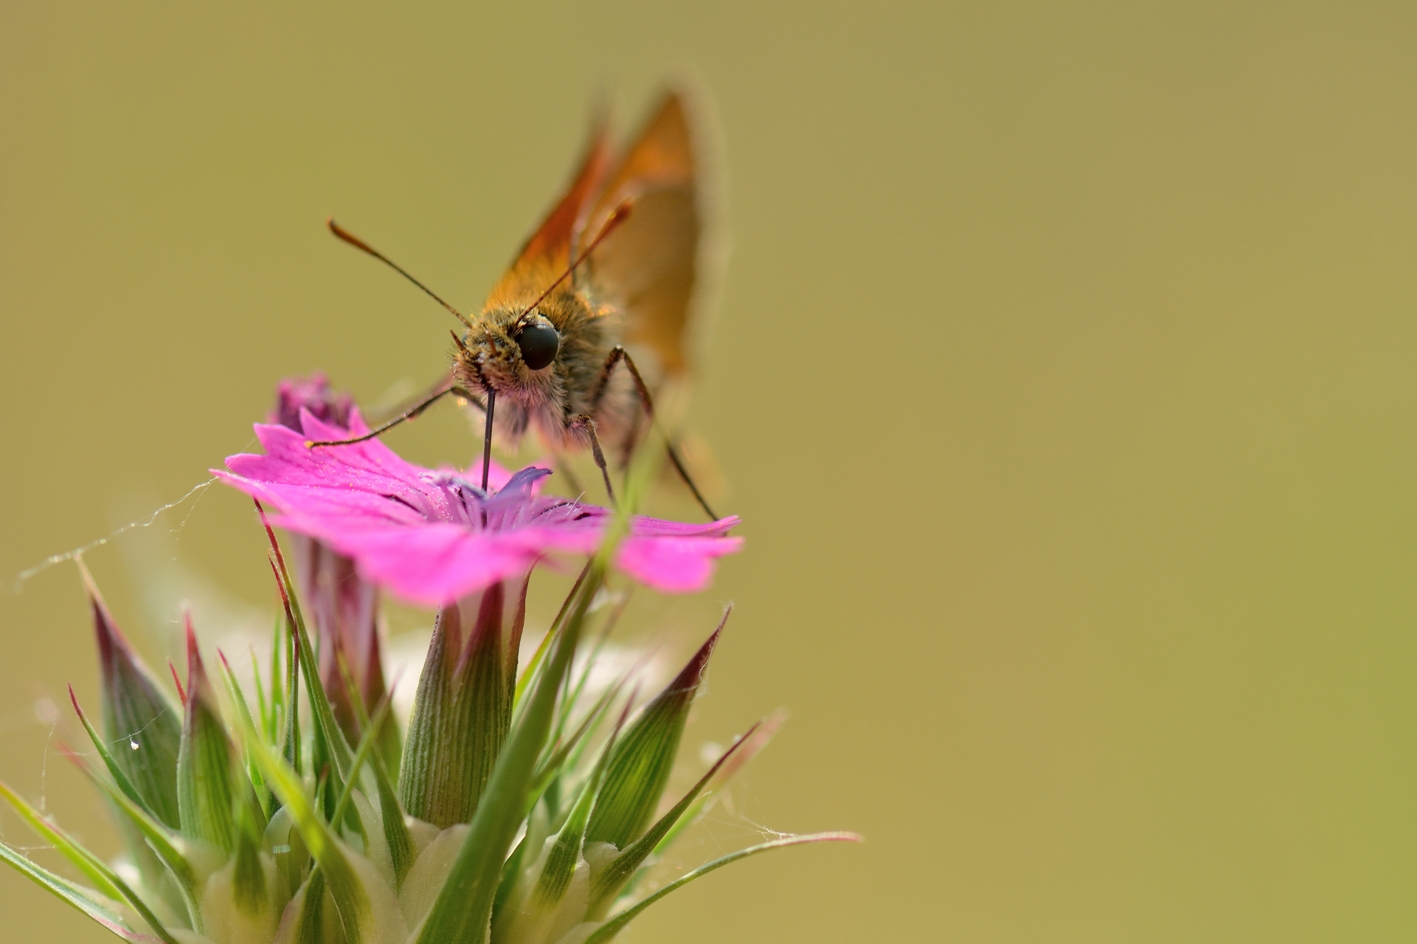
{"x":551,"y":398}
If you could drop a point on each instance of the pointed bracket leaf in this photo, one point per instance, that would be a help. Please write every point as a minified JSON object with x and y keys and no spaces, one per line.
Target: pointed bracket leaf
{"x":108,"y":881}
{"x":351,"y":900}
{"x":608,"y":883}
{"x":79,"y":898}
{"x":607,"y":931}
{"x":645,"y":757}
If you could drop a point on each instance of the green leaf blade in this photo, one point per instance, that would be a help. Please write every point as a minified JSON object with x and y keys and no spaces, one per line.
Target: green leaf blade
{"x":78,"y":898}
{"x":110,"y":885}
{"x":81,"y":859}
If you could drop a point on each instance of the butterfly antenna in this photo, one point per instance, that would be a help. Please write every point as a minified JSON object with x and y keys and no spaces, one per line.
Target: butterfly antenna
{"x":622,"y":213}
{"x":361,"y":245}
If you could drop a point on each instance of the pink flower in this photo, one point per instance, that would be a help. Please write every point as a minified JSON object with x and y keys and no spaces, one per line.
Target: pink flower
{"x":433,"y":537}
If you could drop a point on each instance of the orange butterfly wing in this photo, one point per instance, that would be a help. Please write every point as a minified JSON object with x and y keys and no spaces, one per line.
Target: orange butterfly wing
{"x":647,"y":267}
{"x":547,"y":253}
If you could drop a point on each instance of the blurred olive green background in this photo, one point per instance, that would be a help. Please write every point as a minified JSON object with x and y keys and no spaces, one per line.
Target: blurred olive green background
{"x":1063,"y":377}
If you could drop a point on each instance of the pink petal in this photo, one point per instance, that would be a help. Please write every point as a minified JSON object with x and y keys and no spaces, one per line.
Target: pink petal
{"x":674,"y":565}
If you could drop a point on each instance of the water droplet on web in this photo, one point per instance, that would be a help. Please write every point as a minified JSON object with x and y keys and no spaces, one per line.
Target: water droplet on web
{"x":133,"y":743}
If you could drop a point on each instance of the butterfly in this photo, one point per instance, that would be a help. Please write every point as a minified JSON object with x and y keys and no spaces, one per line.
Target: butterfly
{"x":614,"y":266}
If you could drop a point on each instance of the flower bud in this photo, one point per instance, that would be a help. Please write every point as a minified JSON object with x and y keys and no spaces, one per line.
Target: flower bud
{"x":342,"y":605}
{"x":463,"y":707}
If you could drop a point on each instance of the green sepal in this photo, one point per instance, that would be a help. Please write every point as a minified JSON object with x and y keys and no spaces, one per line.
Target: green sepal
{"x":460,"y":717}
{"x":604,"y":933}
{"x":138,"y":714}
{"x":204,"y":763}
{"x":144,"y":859}
{"x":564,"y":855}
{"x":644,"y":758}
{"x":612,"y":878}
{"x":310,"y":920}
{"x":249,"y":879}
{"x":289,"y":692}
{"x":249,"y":890}
{"x":463,"y":907}
{"x":481,"y":707}
{"x":288,"y":850}
{"x":423,"y":782}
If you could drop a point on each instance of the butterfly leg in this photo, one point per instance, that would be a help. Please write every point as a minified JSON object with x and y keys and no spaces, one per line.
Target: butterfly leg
{"x":583,"y":422}
{"x":411,"y":413}
{"x":628,"y":441}
{"x":618,"y":354}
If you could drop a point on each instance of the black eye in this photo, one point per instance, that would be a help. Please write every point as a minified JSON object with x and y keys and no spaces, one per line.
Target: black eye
{"x":539,"y":343}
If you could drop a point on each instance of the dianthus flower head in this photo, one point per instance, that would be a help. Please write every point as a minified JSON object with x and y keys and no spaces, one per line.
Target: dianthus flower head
{"x":312,"y":393}
{"x":432,"y":536}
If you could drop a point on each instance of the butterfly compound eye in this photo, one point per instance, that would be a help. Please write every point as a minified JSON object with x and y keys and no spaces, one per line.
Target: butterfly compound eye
{"x":539,"y":343}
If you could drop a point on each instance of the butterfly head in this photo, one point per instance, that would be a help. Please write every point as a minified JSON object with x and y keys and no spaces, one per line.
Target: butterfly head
{"x":509,"y":350}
